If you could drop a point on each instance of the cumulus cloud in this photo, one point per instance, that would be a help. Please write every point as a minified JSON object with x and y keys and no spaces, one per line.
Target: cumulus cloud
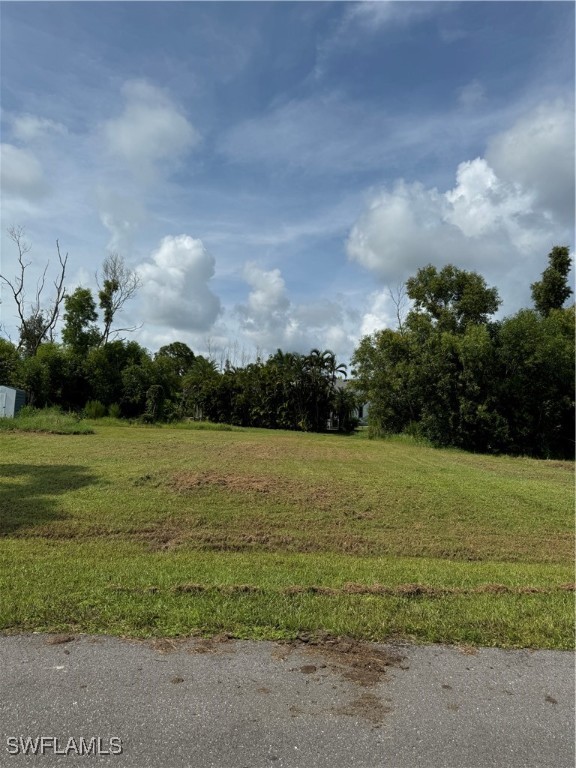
{"x":265,"y":315}
{"x":175,"y":288}
{"x":538,"y":153}
{"x":28,"y":128}
{"x":502,"y":214}
{"x":270,"y":320}
{"x":381,"y":313}
{"x":21,"y":174}
{"x":151,"y":131}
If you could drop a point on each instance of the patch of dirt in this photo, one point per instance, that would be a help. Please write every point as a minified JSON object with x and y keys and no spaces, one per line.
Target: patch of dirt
{"x":59,"y":639}
{"x":423,"y":590}
{"x":566,"y":465}
{"x":296,"y":491}
{"x":359,"y":662}
{"x":467,"y":650}
{"x":192,"y":644}
{"x":165,"y":644}
{"x":212,"y":644}
{"x":192,"y":589}
{"x":226,"y":589}
{"x":367,"y":706}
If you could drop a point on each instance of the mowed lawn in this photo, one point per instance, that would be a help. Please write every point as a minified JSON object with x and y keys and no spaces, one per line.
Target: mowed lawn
{"x":167,"y":531}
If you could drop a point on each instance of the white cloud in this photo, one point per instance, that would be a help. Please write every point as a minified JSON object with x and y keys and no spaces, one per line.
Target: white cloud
{"x":28,"y":128}
{"x":122,"y":217}
{"x":21,"y":174}
{"x":381,"y":313}
{"x":151,"y":131}
{"x":373,"y":16}
{"x":175,"y":289}
{"x":538,"y":153}
{"x":361,"y":21}
{"x":269,"y":320}
{"x":266,"y":312}
{"x":494,"y":219}
{"x":481,"y":204}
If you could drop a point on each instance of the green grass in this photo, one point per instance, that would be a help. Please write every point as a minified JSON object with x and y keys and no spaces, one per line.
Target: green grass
{"x":50,"y":420}
{"x":169,"y":531}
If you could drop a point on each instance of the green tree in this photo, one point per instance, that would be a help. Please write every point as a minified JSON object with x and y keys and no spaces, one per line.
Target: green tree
{"x":198,"y":387}
{"x":43,"y":375}
{"x":535,"y":385}
{"x":552,"y":290}
{"x":9,"y":363}
{"x":384,"y":376}
{"x":105,"y":365}
{"x":80,"y":332}
{"x":452,"y":298}
{"x":179,"y":356}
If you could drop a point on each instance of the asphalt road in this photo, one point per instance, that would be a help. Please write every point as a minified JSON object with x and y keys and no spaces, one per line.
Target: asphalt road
{"x":230,"y":704}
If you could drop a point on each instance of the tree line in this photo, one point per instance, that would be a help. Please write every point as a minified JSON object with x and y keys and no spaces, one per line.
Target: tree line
{"x":92,"y":369}
{"x":449,"y":372}
{"x":122,"y":379}
{"x":452,"y":374}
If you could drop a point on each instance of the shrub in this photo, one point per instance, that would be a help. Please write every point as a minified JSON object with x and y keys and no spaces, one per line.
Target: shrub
{"x":114,"y":411}
{"x":94,"y":409}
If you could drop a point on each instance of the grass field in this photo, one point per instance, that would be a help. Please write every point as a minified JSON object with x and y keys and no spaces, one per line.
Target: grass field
{"x":169,"y":531}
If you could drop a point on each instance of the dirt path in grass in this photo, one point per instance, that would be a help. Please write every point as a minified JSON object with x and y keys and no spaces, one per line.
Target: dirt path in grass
{"x":319,"y":702}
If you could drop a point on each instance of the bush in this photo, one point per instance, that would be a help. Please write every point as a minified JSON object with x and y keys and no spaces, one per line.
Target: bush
{"x":114,"y":411}
{"x":94,"y":409}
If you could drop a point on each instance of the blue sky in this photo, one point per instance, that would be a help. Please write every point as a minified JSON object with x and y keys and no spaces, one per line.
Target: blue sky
{"x":272,"y":170}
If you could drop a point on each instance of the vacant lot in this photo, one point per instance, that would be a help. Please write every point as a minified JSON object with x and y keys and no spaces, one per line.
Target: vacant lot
{"x":171,"y":531}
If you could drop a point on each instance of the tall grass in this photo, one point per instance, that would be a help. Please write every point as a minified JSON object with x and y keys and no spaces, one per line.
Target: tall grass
{"x":50,"y":420}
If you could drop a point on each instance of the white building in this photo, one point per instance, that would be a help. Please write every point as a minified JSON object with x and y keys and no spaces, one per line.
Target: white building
{"x":11,"y":400}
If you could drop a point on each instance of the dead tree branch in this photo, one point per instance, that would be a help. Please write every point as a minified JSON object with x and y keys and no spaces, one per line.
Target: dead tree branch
{"x":36,"y":324}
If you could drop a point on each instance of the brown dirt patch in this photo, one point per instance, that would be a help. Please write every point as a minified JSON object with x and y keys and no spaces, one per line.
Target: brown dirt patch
{"x":212,"y":644}
{"x":192,"y":644}
{"x":359,"y":662}
{"x":424,"y":590}
{"x":367,"y":706}
{"x":166,"y":644}
{"x":278,"y":488}
{"x":59,"y":639}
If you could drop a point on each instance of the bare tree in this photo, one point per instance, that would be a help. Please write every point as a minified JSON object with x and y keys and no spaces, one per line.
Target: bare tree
{"x":400,"y":300}
{"x":37,"y":323}
{"x":119,"y":284}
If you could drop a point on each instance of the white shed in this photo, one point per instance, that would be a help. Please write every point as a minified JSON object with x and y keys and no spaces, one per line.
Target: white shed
{"x":11,"y":400}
